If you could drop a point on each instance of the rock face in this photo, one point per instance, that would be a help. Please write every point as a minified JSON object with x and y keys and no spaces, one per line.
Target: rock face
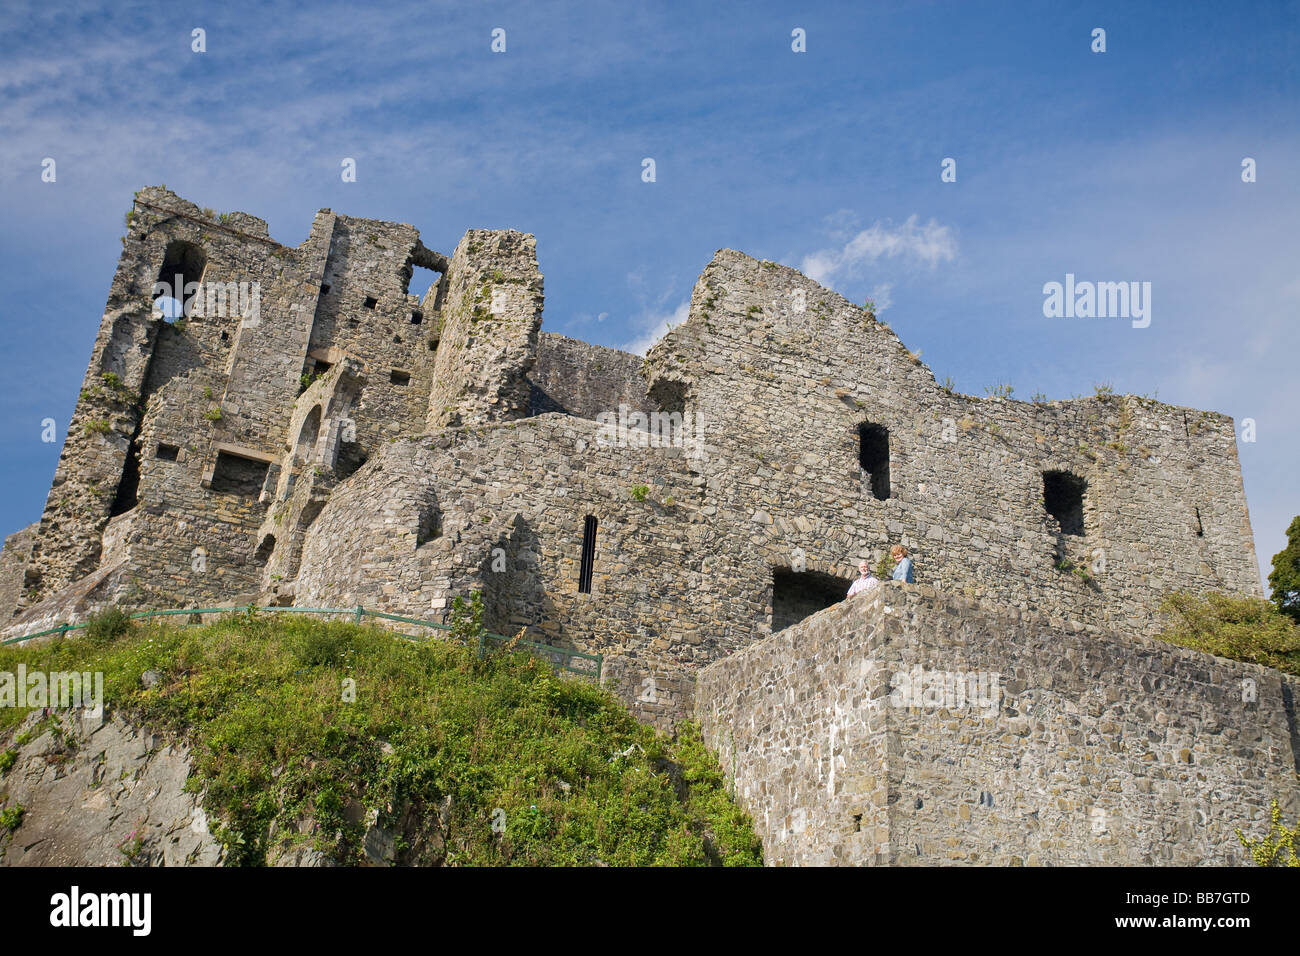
{"x":99,"y":792}
{"x":908,"y":727}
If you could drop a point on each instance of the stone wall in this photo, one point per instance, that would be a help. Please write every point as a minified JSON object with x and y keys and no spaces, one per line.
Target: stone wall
{"x":585,"y":380}
{"x":780,"y":374}
{"x":14,"y":559}
{"x":490,"y":320}
{"x":502,"y":509}
{"x":1064,"y":746}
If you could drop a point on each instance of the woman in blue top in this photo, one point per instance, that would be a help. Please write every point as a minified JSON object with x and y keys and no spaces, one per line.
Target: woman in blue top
{"x":903,"y":564}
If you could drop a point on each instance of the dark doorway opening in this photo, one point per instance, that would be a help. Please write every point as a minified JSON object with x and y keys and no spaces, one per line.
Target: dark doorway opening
{"x":798,"y":594}
{"x":128,"y":488}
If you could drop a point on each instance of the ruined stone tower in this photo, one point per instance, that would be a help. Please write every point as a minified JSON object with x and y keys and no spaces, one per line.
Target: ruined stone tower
{"x":334,"y":439}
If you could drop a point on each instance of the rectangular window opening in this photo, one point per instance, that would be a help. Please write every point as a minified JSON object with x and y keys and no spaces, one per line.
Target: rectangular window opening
{"x":370,"y":302}
{"x":398,"y":377}
{"x":1063,"y":498}
{"x":873,"y":456}
{"x":237,"y":475}
{"x":168,"y":452}
{"x":799,"y":594}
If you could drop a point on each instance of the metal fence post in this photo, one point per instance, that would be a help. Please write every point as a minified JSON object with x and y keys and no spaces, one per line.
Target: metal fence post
{"x":360,"y":611}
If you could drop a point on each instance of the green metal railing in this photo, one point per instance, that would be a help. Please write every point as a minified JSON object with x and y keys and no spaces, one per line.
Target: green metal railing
{"x":575,"y":662}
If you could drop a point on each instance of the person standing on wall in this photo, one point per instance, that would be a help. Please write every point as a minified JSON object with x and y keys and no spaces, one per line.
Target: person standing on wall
{"x":866,"y":580}
{"x":902,"y":564}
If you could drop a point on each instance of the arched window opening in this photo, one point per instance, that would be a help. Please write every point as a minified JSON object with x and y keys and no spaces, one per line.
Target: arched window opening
{"x":264,"y":550}
{"x":183,"y":263}
{"x":306,"y":446}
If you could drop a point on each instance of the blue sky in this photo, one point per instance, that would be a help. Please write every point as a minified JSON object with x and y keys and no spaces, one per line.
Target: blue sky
{"x":1123,"y":165}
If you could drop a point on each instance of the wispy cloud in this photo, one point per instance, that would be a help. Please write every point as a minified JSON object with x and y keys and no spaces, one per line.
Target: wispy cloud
{"x":927,"y":244}
{"x":654,"y":325}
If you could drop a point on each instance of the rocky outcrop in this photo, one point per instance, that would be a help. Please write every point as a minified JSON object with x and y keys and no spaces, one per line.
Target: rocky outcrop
{"x":96,"y":791}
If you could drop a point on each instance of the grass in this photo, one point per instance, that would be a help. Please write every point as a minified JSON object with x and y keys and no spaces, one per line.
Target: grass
{"x":294,"y":720}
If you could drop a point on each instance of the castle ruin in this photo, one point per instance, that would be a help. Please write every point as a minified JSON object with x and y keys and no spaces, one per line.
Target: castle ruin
{"x":313,"y":433}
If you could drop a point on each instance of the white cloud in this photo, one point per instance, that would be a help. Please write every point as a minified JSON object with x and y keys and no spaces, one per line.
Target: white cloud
{"x":653,"y":325}
{"x":928,"y":244}
{"x":882,"y":296}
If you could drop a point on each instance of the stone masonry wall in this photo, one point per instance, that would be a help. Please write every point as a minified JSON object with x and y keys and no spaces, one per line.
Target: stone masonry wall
{"x":502,"y":509}
{"x":14,"y":557}
{"x":585,"y":380}
{"x":1089,"y":749}
{"x":780,"y":394}
{"x":491,"y":315}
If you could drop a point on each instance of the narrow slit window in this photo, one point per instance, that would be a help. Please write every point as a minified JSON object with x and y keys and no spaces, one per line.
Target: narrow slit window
{"x":588,"y":554}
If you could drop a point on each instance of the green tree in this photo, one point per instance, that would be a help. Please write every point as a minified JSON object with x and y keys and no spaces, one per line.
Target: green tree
{"x":1242,"y":628}
{"x":1285,"y":576}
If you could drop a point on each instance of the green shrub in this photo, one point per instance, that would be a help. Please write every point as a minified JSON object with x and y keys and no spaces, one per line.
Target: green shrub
{"x":107,"y":625}
{"x":324,"y":646}
{"x":1242,"y":628}
{"x":885,"y":566}
{"x":11,"y":818}
{"x":467,"y":618}
{"x":640,"y":492}
{"x":7,"y":760}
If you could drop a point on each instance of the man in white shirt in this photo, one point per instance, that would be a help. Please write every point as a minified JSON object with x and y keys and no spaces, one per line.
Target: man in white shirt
{"x":866,"y":580}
